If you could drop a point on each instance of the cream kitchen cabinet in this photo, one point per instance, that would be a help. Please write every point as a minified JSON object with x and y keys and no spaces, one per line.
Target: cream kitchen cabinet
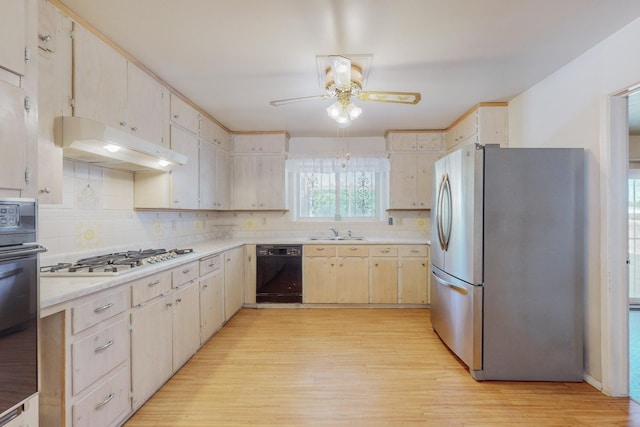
{"x":86,"y":381}
{"x":111,"y":90}
{"x":99,"y":80}
{"x":183,"y":114}
{"x":411,"y":179}
{"x":13,"y":35}
{"x":177,"y":189}
{"x":211,"y":296}
{"x":165,"y":328}
{"x":258,"y":182}
{"x":256,"y":143}
{"x":214,"y":180}
{"x":484,"y":124}
{"x":54,"y":93}
{"x":413,"y":274}
{"x":213,"y":133}
{"x":414,"y":141}
{"x":13,"y":137}
{"x":336,"y":274}
{"x":384,"y":275}
{"x":233,"y":281}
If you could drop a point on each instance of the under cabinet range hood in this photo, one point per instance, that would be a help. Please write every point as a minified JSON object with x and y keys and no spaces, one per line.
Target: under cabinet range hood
{"x":94,"y":142}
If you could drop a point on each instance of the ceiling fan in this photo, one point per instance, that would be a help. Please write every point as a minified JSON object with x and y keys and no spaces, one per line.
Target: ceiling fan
{"x":344,"y":80}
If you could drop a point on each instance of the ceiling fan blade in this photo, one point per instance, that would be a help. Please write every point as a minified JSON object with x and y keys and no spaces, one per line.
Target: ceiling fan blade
{"x":279,"y":102}
{"x":396,"y":97}
{"x":341,"y":69}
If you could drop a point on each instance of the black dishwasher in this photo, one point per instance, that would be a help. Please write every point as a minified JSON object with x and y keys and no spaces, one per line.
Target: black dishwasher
{"x":278,"y":273}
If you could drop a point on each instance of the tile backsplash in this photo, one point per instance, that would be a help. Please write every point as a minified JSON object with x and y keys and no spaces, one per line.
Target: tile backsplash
{"x":97,"y":216}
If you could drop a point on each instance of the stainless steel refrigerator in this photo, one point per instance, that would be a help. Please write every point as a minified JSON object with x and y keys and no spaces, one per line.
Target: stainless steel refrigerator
{"x":507,"y":254}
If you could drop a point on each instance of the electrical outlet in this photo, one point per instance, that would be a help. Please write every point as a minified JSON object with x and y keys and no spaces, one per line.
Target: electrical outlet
{"x":390,"y":220}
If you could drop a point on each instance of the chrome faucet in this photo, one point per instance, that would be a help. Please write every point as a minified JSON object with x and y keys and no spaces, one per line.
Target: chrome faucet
{"x":335,"y":231}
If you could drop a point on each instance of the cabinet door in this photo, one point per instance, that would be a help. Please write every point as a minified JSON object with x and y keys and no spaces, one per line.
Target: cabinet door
{"x":207,"y":181}
{"x":146,"y":106}
{"x":151,"y":348}
{"x":319,"y":281}
{"x":403,"y":141}
{"x":184,"y":114}
{"x":54,"y":93}
{"x":233,"y":282}
{"x":211,"y":304}
{"x":13,"y":33}
{"x":184,"y":179}
{"x":186,"y":324}
{"x":384,"y":281}
{"x":222,"y":189}
{"x":352,"y":280}
{"x":429,"y":141}
{"x":425,"y":178}
{"x":99,"y":80}
{"x":13,"y":137}
{"x":413,"y":280}
{"x":270,"y":182}
{"x":245,"y":195}
{"x":403,"y":181}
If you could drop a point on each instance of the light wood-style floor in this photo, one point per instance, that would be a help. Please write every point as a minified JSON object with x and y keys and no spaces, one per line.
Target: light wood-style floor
{"x":357,"y":367}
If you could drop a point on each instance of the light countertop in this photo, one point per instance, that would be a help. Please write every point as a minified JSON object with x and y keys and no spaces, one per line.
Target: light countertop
{"x":55,"y":291}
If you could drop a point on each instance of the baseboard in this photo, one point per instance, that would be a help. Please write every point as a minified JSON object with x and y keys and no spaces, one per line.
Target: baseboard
{"x":592,"y":381}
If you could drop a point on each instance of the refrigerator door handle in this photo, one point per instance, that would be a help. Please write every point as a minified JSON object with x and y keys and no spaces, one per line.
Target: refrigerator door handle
{"x":443,"y":282}
{"x":444,"y":196}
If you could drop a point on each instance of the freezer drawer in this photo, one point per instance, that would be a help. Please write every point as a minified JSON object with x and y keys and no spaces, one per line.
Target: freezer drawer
{"x":456,"y":316}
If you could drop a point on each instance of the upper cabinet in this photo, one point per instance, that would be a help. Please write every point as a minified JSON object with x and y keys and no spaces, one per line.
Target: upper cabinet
{"x":210,"y":131}
{"x":258,"y":171}
{"x":412,"y":157}
{"x":13,"y":35}
{"x":184,"y":114}
{"x":54,"y":94}
{"x":112,"y":90}
{"x":485,"y":124}
{"x":99,"y":80}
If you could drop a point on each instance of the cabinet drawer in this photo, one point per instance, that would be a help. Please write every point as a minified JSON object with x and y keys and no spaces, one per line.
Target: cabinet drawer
{"x":184,"y":274}
{"x":95,"y":311}
{"x":207,"y":265}
{"x":150,"y":287}
{"x":351,"y":250}
{"x":97,"y":354}
{"x":319,"y":250}
{"x":105,"y":404}
{"x":413,"y":250}
{"x":391,"y":251}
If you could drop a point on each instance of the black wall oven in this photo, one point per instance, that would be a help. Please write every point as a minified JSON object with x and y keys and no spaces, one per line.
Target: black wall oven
{"x":19,"y":304}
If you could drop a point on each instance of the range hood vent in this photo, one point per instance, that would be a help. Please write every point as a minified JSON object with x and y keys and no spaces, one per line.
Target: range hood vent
{"x":96,"y":143}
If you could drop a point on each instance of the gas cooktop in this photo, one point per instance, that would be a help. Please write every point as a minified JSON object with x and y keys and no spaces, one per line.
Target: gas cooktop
{"x":112,"y":264}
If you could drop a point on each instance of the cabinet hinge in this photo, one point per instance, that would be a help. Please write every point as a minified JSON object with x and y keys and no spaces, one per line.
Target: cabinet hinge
{"x":27,"y":55}
{"x":72,"y":34}
{"x":27,"y":175}
{"x":130,"y":327}
{"x":27,"y":103}
{"x":72,"y":102}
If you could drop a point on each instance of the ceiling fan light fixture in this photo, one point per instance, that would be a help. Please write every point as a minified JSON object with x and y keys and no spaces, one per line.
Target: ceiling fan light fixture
{"x":353,"y":110}
{"x":334,"y":110}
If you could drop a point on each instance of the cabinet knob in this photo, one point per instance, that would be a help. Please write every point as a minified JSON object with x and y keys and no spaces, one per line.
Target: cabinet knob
{"x":123,"y":124}
{"x":46,"y":190}
{"x":46,"y":38}
{"x":135,"y":128}
{"x":176,"y":116}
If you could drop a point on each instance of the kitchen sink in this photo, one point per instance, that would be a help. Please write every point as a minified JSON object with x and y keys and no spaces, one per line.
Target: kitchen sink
{"x":340,"y":238}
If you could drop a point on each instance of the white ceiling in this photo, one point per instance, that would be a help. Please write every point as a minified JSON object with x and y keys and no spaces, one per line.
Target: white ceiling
{"x":233,"y":57}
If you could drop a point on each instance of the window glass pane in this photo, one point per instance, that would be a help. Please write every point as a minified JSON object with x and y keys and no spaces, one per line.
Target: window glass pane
{"x":317,"y":196}
{"x":357,"y":194}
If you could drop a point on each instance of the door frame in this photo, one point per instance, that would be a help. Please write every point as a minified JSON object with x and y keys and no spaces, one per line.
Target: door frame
{"x":614,"y":155}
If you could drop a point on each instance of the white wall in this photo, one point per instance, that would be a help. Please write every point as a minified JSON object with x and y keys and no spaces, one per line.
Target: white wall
{"x":569,"y":109}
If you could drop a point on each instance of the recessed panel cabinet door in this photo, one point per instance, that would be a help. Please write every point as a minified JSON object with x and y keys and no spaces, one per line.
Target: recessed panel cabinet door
{"x":184,"y":179}
{"x":186,"y":324}
{"x":147,"y":102}
{"x":13,"y":137}
{"x":403,"y":181}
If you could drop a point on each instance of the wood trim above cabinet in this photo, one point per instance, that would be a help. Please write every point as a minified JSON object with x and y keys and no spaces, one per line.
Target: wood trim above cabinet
{"x":473,"y":110}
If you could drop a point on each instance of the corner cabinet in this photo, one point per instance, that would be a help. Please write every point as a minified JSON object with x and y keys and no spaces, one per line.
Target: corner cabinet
{"x":484,"y":124}
{"x":258,"y":171}
{"x":412,"y":157}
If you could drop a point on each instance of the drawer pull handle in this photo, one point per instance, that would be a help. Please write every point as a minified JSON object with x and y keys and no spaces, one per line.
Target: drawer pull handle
{"x":103,"y":308}
{"x":319,"y":249}
{"x":105,"y":401}
{"x":414,"y":251}
{"x":152,"y":284}
{"x":104,"y":346}
{"x":179,"y":300}
{"x":186,"y":270}
{"x":353,"y":249}
{"x":385,"y":251}
{"x":212,"y":264}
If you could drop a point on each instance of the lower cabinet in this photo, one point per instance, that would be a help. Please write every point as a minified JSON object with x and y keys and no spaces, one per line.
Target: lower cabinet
{"x":233,"y":281}
{"x":361,"y":274}
{"x":211,"y":296}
